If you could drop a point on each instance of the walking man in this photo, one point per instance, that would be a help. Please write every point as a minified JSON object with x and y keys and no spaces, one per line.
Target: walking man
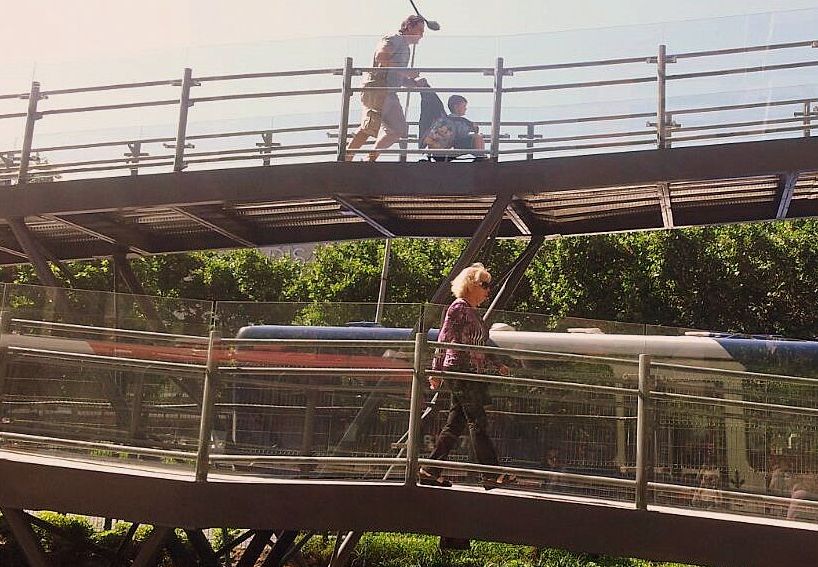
{"x":382,"y":107}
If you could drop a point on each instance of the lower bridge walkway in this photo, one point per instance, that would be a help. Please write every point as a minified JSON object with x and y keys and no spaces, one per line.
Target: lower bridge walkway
{"x":667,"y":447}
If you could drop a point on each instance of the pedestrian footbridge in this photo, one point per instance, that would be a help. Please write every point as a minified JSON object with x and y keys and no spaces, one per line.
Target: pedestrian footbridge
{"x":666,"y":447}
{"x":683,"y":448}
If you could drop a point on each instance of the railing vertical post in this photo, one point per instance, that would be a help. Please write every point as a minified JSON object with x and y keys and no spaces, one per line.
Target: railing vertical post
{"x":346,"y":97}
{"x":416,"y":401}
{"x":28,"y":135}
{"x":644,"y":432}
{"x":499,"y":72}
{"x":807,"y":118}
{"x":661,"y":97}
{"x":529,"y":132}
{"x":206,"y":423}
{"x":181,"y":129}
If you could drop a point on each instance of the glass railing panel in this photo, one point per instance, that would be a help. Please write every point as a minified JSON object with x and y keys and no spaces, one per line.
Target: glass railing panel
{"x":728,"y":440}
{"x":285,"y":397}
{"x":553,"y":419}
{"x":231,"y":316}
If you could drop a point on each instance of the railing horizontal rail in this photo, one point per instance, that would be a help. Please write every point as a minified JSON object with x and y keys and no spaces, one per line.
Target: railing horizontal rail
{"x":271,"y":94}
{"x":738,"y":373}
{"x":298,"y":460}
{"x":14,"y":96}
{"x":578,"y":120}
{"x":736,"y":50}
{"x":327,"y":371}
{"x":121,"y":106}
{"x":765,"y":104}
{"x":108,"y":330}
{"x":748,"y":496}
{"x":125,"y":142}
{"x":484,"y":70}
{"x":533,"y":354}
{"x":13,"y":115}
{"x":64,"y":357}
{"x":105,"y":168}
{"x":268,"y":75}
{"x":321,"y":343}
{"x":740,"y":124}
{"x":533,"y":473}
{"x":523,"y":140}
{"x":244,"y":158}
{"x":578,"y":64}
{"x":535,"y":382}
{"x":742,"y":70}
{"x":562,"y":86}
{"x":424,"y":89}
{"x":717,"y":135}
{"x":577,"y":147}
{"x":97,"y":445}
{"x":762,"y":406}
{"x":118,"y":86}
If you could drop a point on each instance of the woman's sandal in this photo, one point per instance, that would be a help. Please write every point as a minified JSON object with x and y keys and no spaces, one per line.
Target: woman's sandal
{"x":500,"y":481}
{"x":428,"y":479}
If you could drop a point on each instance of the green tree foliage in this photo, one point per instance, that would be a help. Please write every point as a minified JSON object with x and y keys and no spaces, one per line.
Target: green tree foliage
{"x":759,"y":278}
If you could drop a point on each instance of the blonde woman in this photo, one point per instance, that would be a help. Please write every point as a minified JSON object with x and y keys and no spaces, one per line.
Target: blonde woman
{"x":463,"y":324}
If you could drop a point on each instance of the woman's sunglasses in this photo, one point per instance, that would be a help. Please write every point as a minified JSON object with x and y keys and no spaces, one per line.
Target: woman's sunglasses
{"x":485,"y":285}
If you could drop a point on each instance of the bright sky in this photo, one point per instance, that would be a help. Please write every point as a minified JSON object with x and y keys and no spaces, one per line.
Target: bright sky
{"x":70,"y":30}
{"x":68,"y":43}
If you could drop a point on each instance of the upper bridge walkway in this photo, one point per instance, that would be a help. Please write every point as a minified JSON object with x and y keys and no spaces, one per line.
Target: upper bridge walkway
{"x":636,"y":442}
{"x":670,"y":139}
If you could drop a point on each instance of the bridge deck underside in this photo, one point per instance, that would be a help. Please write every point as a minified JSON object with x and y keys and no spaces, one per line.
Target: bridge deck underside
{"x":162,"y":498}
{"x":264,"y":206}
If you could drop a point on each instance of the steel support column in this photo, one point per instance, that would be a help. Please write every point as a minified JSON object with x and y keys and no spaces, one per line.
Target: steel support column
{"x":284,"y":543}
{"x":34,"y":251}
{"x":512,"y":280}
{"x":786,"y":189}
{"x":255,"y":548}
{"x":478,"y":239}
{"x":207,"y":558}
{"x":32,"y":115}
{"x":26,"y":538}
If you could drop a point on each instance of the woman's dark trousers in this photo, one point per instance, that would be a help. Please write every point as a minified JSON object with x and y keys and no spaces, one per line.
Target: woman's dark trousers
{"x":466,"y":410}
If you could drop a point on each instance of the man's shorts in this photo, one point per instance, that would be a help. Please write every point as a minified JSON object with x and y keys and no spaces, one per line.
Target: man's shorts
{"x":390,"y":115}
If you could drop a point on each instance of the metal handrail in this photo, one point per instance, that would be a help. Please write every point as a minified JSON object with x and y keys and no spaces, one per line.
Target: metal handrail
{"x":742,"y":70}
{"x":579,"y":64}
{"x":97,"y":445}
{"x":533,"y":473}
{"x":298,"y":460}
{"x":762,"y":406}
{"x":118,"y":86}
{"x":532,"y":354}
{"x":535,"y":382}
{"x":62,"y":356}
{"x":322,"y":343}
{"x":735,"y":50}
{"x":109,"y":330}
{"x":268,"y":75}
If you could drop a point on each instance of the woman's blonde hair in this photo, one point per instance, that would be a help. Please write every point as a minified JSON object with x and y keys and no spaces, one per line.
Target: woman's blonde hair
{"x":468,"y":277}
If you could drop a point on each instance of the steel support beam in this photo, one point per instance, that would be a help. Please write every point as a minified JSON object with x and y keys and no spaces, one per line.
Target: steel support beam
{"x":344,"y":548}
{"x":151,"y":548}
{"x":255,"y":548}
{"x":214,"y":227}
{"x":515,"y":276}
{"x":94,"y":233}
{"x":207,"y":558}
{"x":522,"y":218}
{"x":478,"y":239}
{"x":28,"y":541}
{"x":34,"y":252}
{"x":357,"y":210}
{"x":284,"y":542}
{"x":786,"y":189}
{"x":663,"y":190}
